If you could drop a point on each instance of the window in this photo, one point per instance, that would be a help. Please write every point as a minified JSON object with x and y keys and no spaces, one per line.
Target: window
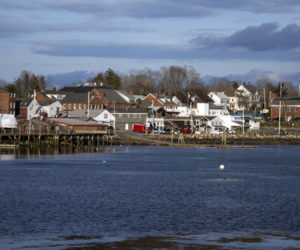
{"x":69,"y":106}
{"x":84,"y":106}
{"x":74,"y":106}
{"x":295,"y":109}
{"x":79,"y":106}
{"x":64,"y":106}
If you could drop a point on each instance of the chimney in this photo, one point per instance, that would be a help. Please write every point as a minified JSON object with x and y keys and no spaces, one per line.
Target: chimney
{"x":171,"y":102}
{"x":102,"y":94}
{"x":248,"y":83}
{"x":54,"y":89}
{"x":130,"y":93}
{"x":275,"y":96}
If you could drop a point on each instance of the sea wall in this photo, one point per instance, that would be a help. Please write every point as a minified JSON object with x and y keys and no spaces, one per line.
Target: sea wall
{"x":237,"y":140}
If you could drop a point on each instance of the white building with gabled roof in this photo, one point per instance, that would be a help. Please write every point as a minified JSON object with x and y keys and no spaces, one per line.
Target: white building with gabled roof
{"x":220,"y":99}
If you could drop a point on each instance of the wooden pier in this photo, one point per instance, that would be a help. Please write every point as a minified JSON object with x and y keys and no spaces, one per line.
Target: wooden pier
{"x":56,"y":139}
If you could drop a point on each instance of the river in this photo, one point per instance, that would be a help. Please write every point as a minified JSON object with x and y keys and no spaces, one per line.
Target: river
{"x":152,"y":197}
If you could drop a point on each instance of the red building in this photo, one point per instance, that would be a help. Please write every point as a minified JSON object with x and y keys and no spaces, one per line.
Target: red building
{"x":290,"y":108}
{"x":96,"y":97}
{"x":7,"y":102}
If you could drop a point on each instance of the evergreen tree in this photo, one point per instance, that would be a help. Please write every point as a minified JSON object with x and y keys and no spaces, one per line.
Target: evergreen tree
{"x":112,"y":79}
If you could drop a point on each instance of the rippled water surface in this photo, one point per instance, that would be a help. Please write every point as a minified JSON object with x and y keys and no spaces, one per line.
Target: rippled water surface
{"x":49,"y":200}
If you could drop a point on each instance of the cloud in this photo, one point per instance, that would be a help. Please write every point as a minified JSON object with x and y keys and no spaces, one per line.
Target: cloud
{"x":266,"y":37}
{"x":154,"y":8}
{"x":19,"y":27}
{"x":156,"y":51}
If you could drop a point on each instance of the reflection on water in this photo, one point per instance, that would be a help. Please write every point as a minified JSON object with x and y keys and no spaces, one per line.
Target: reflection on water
{"x":30,"y":152}
{"x":209,"y":240}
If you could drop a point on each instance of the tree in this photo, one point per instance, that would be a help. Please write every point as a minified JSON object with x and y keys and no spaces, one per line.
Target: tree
{"x":98,"y":79}
{"x":28,"y":82}
{"x":111,"y":79}
{"x":282,"y":90}
{"x":197,"y":88}
{"x":140,"y":82}
{"x":291,"y":90}
{"x":235,"y":85}
{"x":266,"y":88}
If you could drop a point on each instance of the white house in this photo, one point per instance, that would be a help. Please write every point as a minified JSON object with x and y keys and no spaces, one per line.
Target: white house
{"x":99,"y":115}
{"x":218,"y":110}
{"x":36,"y":107}
{"x":105,"y":117}
{"x":183,"y":111}
{"x":202,"y":109}
{"x":220,"y":123}
{"x":32,"y":109}
{"x":220,"y":99}
{"x":248,"y":97}
{"x":52,"y":109}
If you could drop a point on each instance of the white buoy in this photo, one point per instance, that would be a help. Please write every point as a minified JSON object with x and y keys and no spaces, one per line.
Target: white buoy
{"x":104,"y":161}
{"x":222,"y":167}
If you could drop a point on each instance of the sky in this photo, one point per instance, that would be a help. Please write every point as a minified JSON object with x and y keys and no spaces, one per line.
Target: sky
{"x":217,"y":38}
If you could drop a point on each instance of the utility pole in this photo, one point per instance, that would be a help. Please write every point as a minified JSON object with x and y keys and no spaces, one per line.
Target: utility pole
{"x":115,"y":117}
{"x":34,"y":104}
{"x":88,"y":111}
{"x":265,"y":106}
{"x":279,"y":116}
{"x":243,"y":120}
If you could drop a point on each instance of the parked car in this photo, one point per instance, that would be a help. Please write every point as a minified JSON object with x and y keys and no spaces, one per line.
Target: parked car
{"x":166,"y":131}
{"x":185,"y":131}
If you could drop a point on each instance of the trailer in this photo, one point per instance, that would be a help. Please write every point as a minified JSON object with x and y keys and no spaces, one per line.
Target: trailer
{"x":139,"y":127}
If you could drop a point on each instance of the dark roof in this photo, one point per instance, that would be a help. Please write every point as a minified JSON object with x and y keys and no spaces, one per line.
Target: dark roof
{"x":228,"y":90}
{"x":212,"y":106}
{"x":251,"y":88}
{"x":287,"y":101}
{"x":130,"y":110}
{"x":79,"y":94}
{"x":75,"y":98}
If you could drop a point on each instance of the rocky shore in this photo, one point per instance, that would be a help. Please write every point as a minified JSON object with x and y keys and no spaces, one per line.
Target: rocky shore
{"x":205,"y":140}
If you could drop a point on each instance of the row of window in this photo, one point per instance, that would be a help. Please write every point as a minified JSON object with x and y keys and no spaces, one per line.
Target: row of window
{"x":289,"y":109}
{"x":129,"y":115}
{"x":82,"y":106}
{"x":216,"y":123}
{"x":12,"y":105}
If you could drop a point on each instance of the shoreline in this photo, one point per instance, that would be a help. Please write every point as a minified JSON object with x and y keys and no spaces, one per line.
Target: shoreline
{"x":246,"y":141}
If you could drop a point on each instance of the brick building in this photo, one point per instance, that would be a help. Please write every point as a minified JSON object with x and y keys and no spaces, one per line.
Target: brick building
{"x":290,"y":108}
{"x":7,"y":102}
{"x":98,"y":98}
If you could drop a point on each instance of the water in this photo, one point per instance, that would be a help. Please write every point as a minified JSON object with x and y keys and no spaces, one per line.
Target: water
{"x":60,"y":201}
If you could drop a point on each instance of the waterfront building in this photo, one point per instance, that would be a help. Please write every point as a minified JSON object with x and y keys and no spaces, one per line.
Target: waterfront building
{"x":7,"y":102}
{"x":289,"y":107}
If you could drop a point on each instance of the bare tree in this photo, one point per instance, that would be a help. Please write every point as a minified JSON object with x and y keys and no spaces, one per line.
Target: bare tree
{"x":140,"y":82}
{"x":28,"y":82}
